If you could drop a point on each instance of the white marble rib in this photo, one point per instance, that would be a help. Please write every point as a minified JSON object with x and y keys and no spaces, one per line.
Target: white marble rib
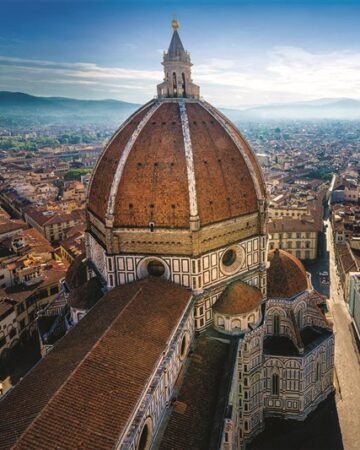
{"x":189,"y":159}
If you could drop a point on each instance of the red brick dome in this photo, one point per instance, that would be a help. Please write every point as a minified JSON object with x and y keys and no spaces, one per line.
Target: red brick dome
{"x":286,"y":275}
{"x":173,"y":160}
{"x":238,"y":298}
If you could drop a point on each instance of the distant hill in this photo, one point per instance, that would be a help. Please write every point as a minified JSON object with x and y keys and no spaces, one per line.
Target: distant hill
{"x":60,"y":110}
{"x":343,"y":109}
{"x":19,"y":109}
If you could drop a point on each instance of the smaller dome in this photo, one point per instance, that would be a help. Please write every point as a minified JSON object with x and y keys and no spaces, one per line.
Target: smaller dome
{"x":238,"y":298}
{"x":286,"y":275}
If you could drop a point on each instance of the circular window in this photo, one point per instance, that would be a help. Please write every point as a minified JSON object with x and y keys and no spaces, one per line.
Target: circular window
{"x":232,"y":260}
{"x":229,"y":257}
{"x":155,"y":268}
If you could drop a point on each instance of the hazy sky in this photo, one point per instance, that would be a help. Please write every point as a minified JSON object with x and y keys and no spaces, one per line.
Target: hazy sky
{"x":244,"y":52}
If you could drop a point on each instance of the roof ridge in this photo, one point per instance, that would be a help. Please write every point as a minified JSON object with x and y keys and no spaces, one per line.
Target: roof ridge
{"x":75,"y":370}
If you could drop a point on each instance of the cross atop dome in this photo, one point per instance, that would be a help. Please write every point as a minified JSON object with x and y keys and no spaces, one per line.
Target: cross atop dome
{"x":177,"y":70}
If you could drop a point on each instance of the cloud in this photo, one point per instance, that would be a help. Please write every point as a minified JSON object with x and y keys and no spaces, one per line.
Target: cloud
{"x":282,"y":74}
{"x":287,"y":74}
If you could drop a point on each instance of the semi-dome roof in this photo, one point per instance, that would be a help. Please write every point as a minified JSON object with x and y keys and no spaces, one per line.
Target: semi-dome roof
{"x":238,"y":298}
{"x":286,"y":275}
{"x":174,"y":161}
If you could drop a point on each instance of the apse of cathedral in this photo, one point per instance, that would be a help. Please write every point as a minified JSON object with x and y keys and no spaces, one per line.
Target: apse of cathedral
{"x":184,"y":332}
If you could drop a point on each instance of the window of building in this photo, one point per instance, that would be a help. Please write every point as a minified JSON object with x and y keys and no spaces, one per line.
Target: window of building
{"x":276,"y":324}
{"x":156,"y":268}
{"x":54,"y":290}
{"x":144,"y":442}
{"x":184,"y":346}
{"x":318,"y":372}
{"x":251,"y":319}
{"x":229,"y":257}
{"x":275,"y":384}
{"x":232,"y":259}
{"x":12,"y":333}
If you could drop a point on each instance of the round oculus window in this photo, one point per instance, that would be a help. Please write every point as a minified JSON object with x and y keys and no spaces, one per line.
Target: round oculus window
{"x":155,"y":268}
{"x":229,"y":257}
{"x":232,"y":259}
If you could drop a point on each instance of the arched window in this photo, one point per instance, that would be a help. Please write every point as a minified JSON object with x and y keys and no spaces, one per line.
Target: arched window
{"x":174,"y":84}
{"x":299,"y":318}
{"x":276,"y":324}
{"x":251,"y":320}
{"x":275,"y":384}
{"x":144,"y":439}
{"x":183,"y":84}
{"x":318,"y":371}
{"x":184,"y":347}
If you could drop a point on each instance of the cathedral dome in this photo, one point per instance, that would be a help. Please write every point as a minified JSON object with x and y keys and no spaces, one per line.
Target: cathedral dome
{"x":238,"y":298}
{"x":175,"y":161}
{"x":286,"y":275}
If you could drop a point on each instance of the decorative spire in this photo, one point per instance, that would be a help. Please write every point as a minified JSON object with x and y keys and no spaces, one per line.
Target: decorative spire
{"x":177,"y":67}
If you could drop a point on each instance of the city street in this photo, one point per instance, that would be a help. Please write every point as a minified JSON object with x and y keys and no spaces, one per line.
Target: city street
{"x":346,"y":359}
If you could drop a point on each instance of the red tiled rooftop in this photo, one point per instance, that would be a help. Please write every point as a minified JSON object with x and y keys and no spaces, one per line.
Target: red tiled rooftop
{"x":286,"y":275}
{"x":82,"y":394}
{"x":153,"y":186}
{"x":238,"y":298}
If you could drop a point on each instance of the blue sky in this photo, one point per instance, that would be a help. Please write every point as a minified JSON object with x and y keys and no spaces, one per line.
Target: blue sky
{"x":244,"y":52}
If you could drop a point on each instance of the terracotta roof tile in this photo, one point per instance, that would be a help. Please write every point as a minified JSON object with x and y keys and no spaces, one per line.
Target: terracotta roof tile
{"x":154,"y":183}
{"x":286,"y":275}
{"x":192,"y":427}
{"x":238,"y":298}
{"x":85,"y":390}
